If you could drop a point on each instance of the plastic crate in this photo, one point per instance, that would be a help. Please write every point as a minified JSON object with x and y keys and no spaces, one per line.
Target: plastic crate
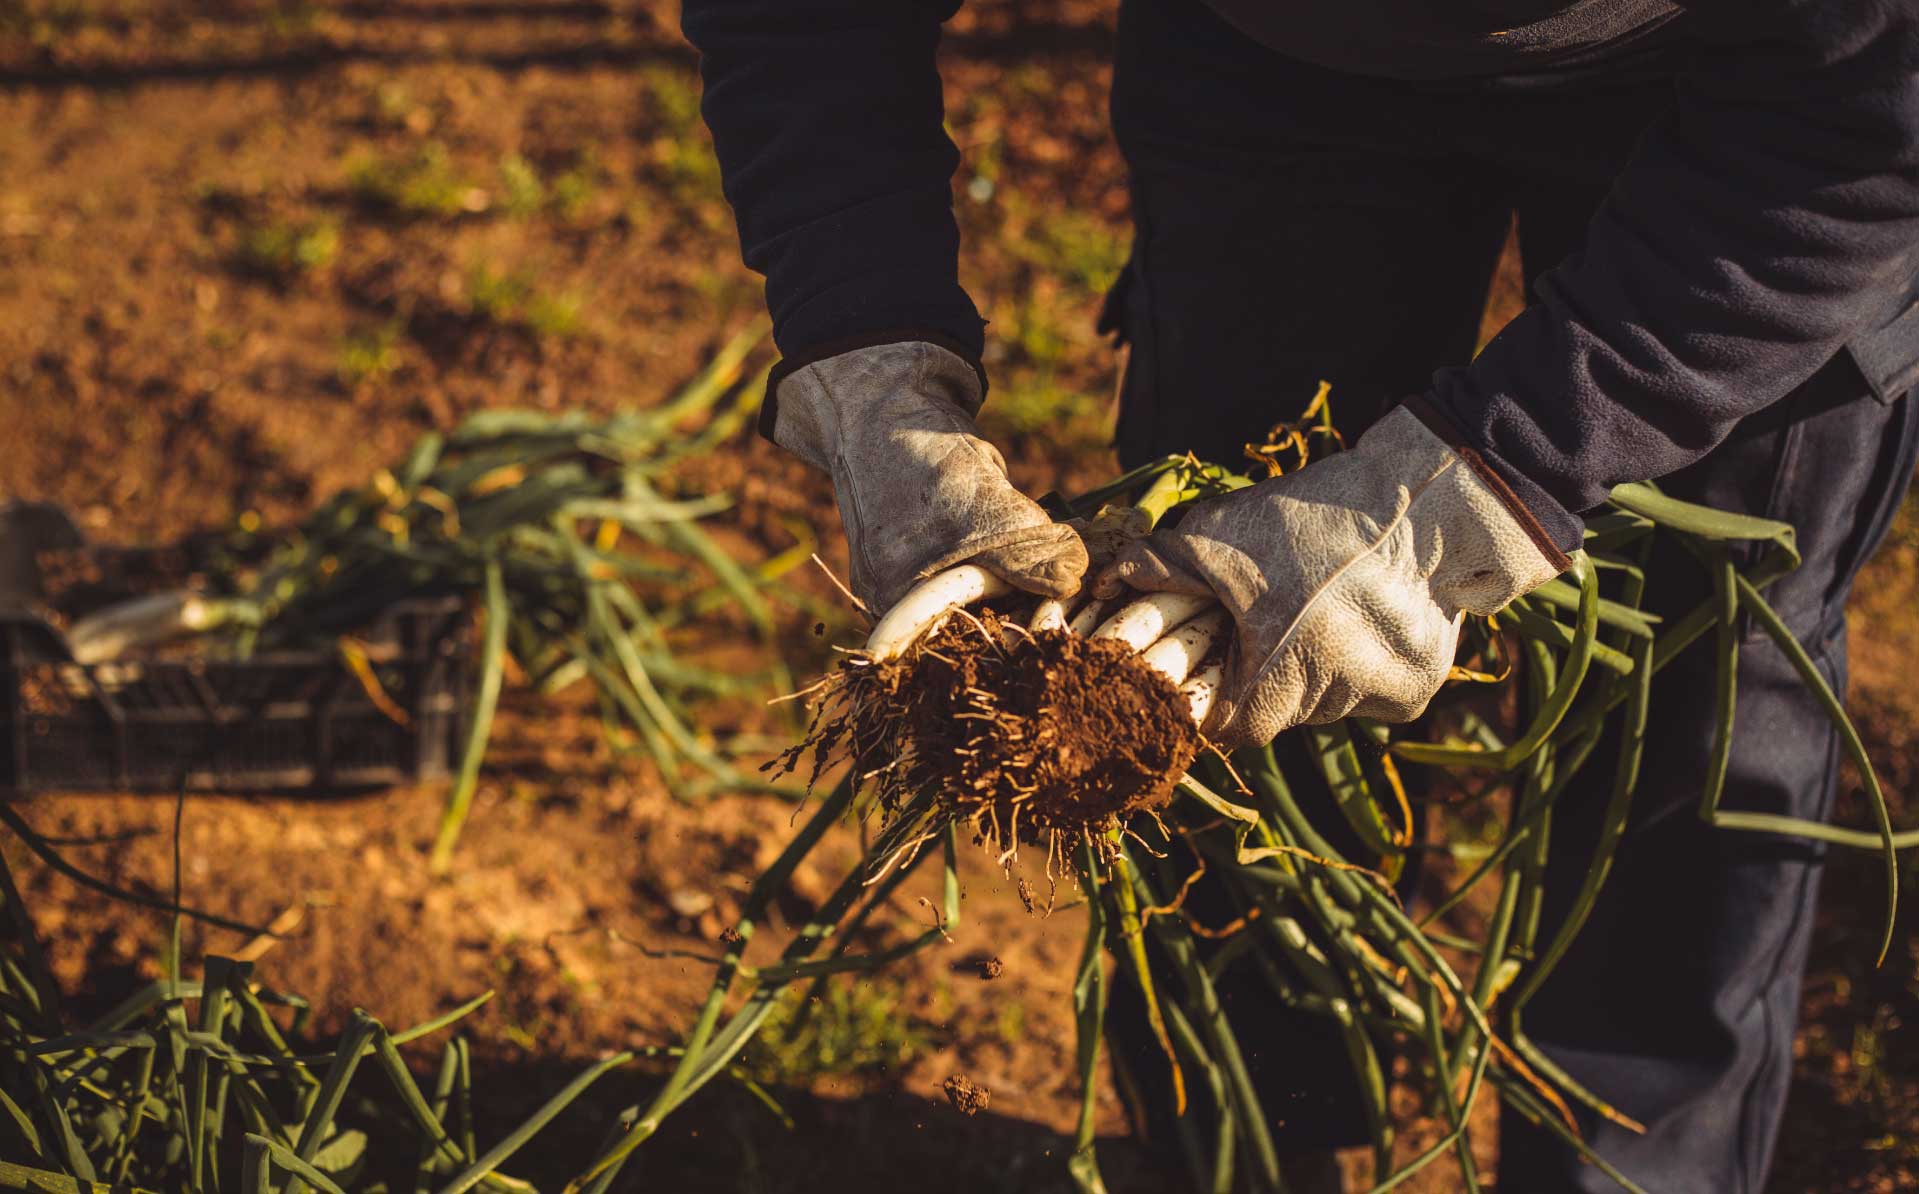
{"x":278,"y":721}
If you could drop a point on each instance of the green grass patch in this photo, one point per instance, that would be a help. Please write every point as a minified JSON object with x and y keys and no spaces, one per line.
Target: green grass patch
{"x":293,"y":18}
{"x":422,"y":184}
{"x":524,"y":193}
{"x":513,"y":298}
{"x":672,"y":99}
{"x":288,"y":249}
{"x":1010,"y":1024}
{"x":1031,"y":405}
{"x":572,"y":189}
{"x":1037,"y":350}
{"x":1079,"y":249}
{"x":679,"y":156}
{"x":370,"y":354}
{"x":854,"y":1026}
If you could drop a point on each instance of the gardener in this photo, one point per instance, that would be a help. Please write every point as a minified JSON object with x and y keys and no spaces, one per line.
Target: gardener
{"x":1719,"y":205}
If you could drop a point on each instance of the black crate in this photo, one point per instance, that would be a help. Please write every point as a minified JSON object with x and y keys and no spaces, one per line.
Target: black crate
{"x":278,"y":721}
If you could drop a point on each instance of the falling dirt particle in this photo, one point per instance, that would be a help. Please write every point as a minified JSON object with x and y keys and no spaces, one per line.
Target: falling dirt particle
{"x":992,"y":968}
{"x":968,"y":1097}
{"x":819,"y":630}
{"x":731,"y":936}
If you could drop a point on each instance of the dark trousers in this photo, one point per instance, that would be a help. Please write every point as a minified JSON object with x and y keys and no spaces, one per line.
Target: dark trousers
{"x":1295,"y":224}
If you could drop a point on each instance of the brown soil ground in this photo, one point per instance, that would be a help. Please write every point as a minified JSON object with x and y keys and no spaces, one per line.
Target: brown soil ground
{"x":248,"y":251}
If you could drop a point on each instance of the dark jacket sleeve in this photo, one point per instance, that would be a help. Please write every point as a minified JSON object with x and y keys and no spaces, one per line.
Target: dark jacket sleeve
{"x":1768,"y":218}
{"x":827,"y":117}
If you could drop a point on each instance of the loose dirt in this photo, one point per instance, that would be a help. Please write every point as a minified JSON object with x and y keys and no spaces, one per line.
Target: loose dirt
{"x":969,"y":1098}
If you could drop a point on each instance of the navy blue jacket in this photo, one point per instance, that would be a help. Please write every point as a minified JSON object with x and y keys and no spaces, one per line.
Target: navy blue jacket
{"x":1768,"y":220}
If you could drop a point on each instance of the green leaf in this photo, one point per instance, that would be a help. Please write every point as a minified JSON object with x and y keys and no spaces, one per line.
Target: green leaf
{"x":1704,"y":521}
{"x":480,"y":729}
{"x":260,"y":1151}
{"x":1089,"y":1015}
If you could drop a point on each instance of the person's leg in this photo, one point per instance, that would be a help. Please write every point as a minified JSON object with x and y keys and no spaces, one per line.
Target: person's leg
{"x":1679,"y":1000}
{"x":1293,"y":225}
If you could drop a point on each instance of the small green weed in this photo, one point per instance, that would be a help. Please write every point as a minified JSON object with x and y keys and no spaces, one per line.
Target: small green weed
{"x":393,"y":105}
{"x":371,"y":354}
{"x":1032,"y":347}
{"x":680,"y":155}
{"x":572,"y":189}
{"x":726,"y":289}
{"x":285,"y":250}
{"x":672,"y":98}
{"x":1077,"y":248}
{"x":1010,"y":1024}
{"x":689,"y":170}
{"x":514,"y":298}
{"x":524,"y":194}
{"x":421,"y":184}
{"x":552,"y":314}
{"x":293,"y":18}
{"x":1032,"y":405}
{"x":854,"y":1026}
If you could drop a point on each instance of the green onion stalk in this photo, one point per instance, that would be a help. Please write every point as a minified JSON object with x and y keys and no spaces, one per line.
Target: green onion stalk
{"x":193,"y":1086}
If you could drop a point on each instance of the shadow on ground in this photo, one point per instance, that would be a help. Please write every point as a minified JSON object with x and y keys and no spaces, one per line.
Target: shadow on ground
{"x":727,"y":1141}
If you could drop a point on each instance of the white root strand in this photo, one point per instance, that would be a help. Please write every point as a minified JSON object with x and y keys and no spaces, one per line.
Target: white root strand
{"x":1176,"y":655}
{"x":1142,"y":621}
{"x":1200,"y":689}
{"x":1012,"y":634}
{"x":927,"y":604}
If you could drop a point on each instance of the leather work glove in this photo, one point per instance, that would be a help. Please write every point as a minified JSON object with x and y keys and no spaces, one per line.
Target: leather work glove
{"x":918,"y":489}
{"x":1348,"y":580}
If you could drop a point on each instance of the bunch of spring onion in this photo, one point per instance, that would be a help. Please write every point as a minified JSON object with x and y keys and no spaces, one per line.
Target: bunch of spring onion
{"x":1319,"y":927}
{"x":556,"y":527}
{"x":194,"y":1086}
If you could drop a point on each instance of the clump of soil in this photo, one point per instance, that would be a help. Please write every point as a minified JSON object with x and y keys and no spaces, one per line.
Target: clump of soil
{"x":1038,"y":738}
{"x":1070,"y":732}
{"x":967,"y":1096}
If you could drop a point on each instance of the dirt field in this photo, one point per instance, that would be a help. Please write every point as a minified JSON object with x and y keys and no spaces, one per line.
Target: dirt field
{"x":249,"y":251}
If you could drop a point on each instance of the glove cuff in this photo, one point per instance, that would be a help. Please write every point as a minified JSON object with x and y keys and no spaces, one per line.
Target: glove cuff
{"x":830,"y":406}
{"x":818,"y":353}
{"x":1522,"y":513}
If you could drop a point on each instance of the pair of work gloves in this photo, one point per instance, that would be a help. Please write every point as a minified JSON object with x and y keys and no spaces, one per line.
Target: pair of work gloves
{"x":1347,"y":580}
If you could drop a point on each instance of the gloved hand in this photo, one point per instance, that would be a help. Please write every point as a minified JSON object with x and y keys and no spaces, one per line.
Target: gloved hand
{"x":1347,"y":581}
{"x":918,"y":489}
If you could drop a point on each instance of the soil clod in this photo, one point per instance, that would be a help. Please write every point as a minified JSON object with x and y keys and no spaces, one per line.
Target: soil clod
{"x":968,"y":1097}
{"x":1044,"y":738}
